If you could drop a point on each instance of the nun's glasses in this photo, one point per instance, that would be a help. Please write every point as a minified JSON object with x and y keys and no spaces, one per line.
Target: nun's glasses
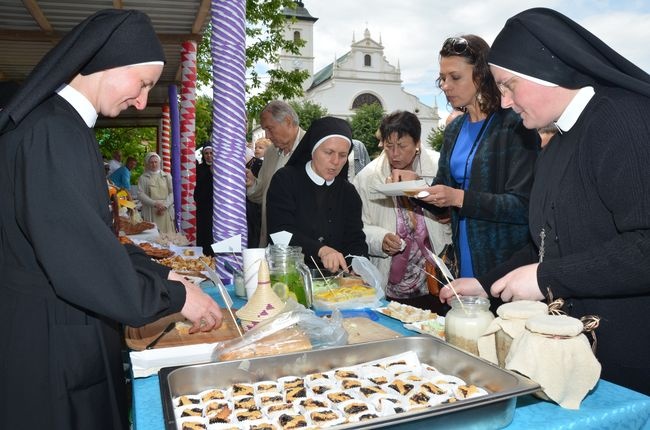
{"x":456,"y":45}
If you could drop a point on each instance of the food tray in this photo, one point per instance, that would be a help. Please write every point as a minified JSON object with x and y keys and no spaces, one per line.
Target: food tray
{"x":427,"y":327}
{"x":410,"y":319}
{"x":493,"y":411}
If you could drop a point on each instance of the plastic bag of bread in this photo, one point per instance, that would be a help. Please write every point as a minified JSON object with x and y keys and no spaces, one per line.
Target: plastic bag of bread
{"x":296,"y":328}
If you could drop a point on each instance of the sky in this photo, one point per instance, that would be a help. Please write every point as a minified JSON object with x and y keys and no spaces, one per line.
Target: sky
{"x":412,"y":31}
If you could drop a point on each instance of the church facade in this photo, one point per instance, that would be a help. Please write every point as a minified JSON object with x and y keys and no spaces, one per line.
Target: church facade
{"x":360,"y":76}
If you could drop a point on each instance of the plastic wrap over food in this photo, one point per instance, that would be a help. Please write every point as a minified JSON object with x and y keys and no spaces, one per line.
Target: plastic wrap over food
{"x":296,"y":328}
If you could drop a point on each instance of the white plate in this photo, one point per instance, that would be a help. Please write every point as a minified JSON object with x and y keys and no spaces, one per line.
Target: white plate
{"x":401,"y":188}
{"x":428,"y":327}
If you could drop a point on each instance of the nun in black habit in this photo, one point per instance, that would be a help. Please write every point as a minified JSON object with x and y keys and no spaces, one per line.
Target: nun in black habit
{"x":590,"y":203}
{"x":66,"y":283}
{"x":311,"y":198}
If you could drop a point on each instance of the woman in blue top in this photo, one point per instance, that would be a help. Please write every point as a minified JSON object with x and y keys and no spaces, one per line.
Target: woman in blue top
{"x":485,"y":171}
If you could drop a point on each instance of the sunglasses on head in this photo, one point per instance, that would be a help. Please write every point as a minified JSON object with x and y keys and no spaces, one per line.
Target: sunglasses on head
{"x":456,"y":45}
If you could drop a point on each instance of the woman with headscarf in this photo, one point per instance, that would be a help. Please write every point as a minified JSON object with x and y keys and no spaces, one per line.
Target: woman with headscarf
{"x":311,"y":198}
{"x":66,"y":283}
{"x":590,"y":203}
{"x":156,"y":193}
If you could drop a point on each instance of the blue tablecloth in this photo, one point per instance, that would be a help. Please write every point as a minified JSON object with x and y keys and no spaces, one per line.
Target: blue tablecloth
{"x":608,"y":406}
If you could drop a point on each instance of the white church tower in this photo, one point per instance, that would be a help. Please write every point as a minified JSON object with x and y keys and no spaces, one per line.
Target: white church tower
{"x":302,"y":28}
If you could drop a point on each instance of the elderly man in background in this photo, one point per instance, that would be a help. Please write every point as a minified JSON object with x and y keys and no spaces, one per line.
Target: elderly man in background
{"x":280,"y":123}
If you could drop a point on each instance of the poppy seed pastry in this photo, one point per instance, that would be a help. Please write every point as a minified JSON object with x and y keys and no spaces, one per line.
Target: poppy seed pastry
{"x":213,"y":395}
{"x":288,"y":422}
{"x":220,"y":411}
{"x":191,"y":425}
{"x":401,"y":387}
{"x":342,"y":374}
{"x":192,"y":412}
{"x":371,"y":390}
{"x":250,"y":415}
{"x":339,"y":397}
{"x":354,"y":408}
{"x":431,"y":388}
{"x":379,"y":380}
{"x":313,"y":404}
{"x":242,"y":390}
{"x":262,"y":426}
{"x":245,"y":403}
{"x":271,"y":399}
{"x":296,"y":393}
{"x":187,"y":400}
{"x":320,"y":389}
{"x":326,"y":417}
{"x":348,"y":384}
{"x":419,"y":399}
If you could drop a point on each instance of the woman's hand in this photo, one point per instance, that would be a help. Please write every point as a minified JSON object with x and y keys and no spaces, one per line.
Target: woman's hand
{"x":443,"y":196}
{"x":160,"y":208}
{"x":399,"y":175}
{"x":392,"y":244}
{"x":199,"y":308}
{"x":463,"y":287}
{"x":520,"y":284}
{"x":332,"y":259}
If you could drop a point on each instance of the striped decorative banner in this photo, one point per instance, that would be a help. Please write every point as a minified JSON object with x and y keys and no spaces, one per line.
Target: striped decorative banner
{"x":228,"y":41}
{"x":188,"y":144}
{"x":172,"y":93}
{"x":165,"y":140}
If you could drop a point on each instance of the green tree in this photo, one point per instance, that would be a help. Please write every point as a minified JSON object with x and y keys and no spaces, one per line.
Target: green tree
{"x":265,"y":25}
{"x":434,"y":139}
{"x":133,"y":142}
{"x":364,"y":124}
{"x":203,"y":122}
{"x":307,"y":112}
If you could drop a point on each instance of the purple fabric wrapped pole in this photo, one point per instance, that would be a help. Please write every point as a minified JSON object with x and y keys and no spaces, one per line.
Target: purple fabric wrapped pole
{"x":228,"y":43}
{"x":172,"y":92}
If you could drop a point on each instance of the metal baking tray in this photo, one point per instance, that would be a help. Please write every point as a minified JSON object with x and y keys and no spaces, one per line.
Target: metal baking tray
{"x":487,"y":412}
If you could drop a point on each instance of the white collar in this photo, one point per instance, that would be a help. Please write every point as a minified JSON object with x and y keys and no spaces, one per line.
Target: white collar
{"x":315,"y":177}
{"x":80,"y":103}
{"x":574,"y":109}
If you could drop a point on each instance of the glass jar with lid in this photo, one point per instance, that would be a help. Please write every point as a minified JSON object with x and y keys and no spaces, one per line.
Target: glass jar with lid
{"x":466,"y":321}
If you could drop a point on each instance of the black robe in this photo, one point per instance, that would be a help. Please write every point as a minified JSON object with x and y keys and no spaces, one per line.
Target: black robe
{"x":66,"y":283}
{"x":316,"y":215}
{"x":204,"y":201}
{"x":592,"y":197}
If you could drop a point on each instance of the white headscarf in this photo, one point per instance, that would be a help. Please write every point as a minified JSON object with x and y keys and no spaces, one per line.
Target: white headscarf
{"x":146,"y":162}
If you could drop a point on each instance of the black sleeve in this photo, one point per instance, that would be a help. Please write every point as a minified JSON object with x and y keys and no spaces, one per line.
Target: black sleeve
{"x":526,"y":255}
{"x":66,"y":225}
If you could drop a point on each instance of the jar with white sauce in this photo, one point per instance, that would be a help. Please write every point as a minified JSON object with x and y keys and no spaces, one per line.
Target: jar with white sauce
{"x":466,"y":321}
